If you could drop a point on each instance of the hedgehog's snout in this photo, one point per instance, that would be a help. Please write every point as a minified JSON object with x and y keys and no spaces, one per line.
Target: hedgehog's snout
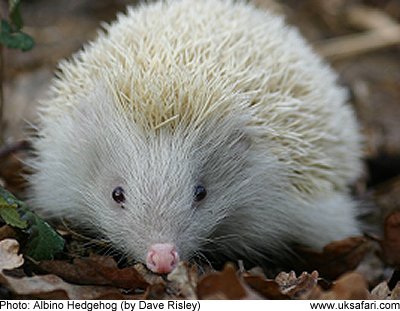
{"x":162,"y":257}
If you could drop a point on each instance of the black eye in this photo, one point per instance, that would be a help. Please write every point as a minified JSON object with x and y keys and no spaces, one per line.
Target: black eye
{"x":199,"y":193}
{"x":118,"y":195}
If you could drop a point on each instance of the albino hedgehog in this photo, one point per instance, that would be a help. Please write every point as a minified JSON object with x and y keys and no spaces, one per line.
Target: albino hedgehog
{"x":198,"y":126}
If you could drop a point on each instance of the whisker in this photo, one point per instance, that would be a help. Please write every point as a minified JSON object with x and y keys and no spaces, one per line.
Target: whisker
{"x":203,"y":259}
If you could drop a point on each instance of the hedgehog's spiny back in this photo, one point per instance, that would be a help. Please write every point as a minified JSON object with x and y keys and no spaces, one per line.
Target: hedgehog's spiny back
{"x":202,"y":53}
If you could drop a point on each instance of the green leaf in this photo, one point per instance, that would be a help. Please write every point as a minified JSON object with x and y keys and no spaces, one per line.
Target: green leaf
{"x":12,"y":217}
{"x":15,"y":14}
{"x":43,"y":242}
{"x":8,"y":210}
{"x":7,"y":199}
{"x":15,"y":40}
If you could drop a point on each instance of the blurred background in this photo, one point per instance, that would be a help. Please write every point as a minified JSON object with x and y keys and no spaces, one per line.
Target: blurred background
{"x":359,"y":38}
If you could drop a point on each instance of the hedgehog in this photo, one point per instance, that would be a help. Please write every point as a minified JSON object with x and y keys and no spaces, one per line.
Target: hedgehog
{"x":198,"y":127}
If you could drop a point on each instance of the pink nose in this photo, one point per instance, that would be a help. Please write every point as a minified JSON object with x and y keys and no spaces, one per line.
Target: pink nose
{"x":162,"y":257}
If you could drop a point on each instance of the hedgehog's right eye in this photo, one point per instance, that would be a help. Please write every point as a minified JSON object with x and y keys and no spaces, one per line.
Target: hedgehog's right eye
{"x":200,"y":193}
{"x":118,"y":195}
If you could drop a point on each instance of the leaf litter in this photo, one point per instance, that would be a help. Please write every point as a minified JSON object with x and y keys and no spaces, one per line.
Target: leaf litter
{"x":99,"y":277}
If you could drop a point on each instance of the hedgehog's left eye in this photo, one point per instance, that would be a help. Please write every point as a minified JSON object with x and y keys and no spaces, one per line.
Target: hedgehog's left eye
{"x":118,"y":195}
{"x":200,"y":193}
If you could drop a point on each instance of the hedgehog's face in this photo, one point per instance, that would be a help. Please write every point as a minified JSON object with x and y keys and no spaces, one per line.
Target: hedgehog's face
{"x":160,"y":194}
{"x":166,"y":192}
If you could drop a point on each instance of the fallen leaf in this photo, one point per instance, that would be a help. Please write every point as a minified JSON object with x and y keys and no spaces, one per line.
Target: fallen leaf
{"x":7,"y":199}
{"x":380,"y":291}
{"x":337,"y":257}
{"x":383,"y":292}
{"x":95,"y":270}
{"x":7,"y":232}
{"x":185,"y":278}
{"x":11,"y":217}
{"x":391,"y":241}
{"x":8,"y":210}
{"x":106,"y":261}
{"x":224,"y":285}
{"x":43,"y":242}
{"x":9,"y":258}
{"x":266,"y":288}
{"x":53,"y":287}
{"x":147,"y":275}
{"x":43,"y":287}
{"x":156,"y":292}
{"x":349,"y":286}
{"x":293,"y":286}
{"x":396,"y":292}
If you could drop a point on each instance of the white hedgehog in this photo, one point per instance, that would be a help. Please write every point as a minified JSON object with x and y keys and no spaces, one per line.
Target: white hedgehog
{"x":199,"y":126}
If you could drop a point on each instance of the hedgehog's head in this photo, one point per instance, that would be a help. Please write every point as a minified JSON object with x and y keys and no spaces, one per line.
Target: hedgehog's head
{"x":157,"y":191}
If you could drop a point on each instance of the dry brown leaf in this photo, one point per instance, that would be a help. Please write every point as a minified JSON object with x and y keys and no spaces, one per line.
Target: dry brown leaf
{"x":224,"y":285}
{"x":44,"y":287}
{"x":147,"y":275}
{"x":9,"y":258}
{"x":185,"y":278}
{"x":349,"y":286}
{"x":267,"y":288}
{"x":106,"y":261}
{"x":391,"y":241}
{"x":396,"y":292}
{"x":380,"y":291}
{"x":53,"y":287}
{"x":157,"y":288}
{"x":95,"y":270}
{"x":337,"y":257}
{"x":156,"y":292}
{"x":285,"y":279}
{"x":7,"y":232}
{"x":293,"y":286}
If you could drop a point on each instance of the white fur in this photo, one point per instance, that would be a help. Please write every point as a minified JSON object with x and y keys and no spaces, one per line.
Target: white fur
{"x":184,"y":92}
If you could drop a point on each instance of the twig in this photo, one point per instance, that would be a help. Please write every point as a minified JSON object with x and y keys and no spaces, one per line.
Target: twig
{"x":368,"y":18}
{"x":381,"y":32}
{"x":352,"y":45}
